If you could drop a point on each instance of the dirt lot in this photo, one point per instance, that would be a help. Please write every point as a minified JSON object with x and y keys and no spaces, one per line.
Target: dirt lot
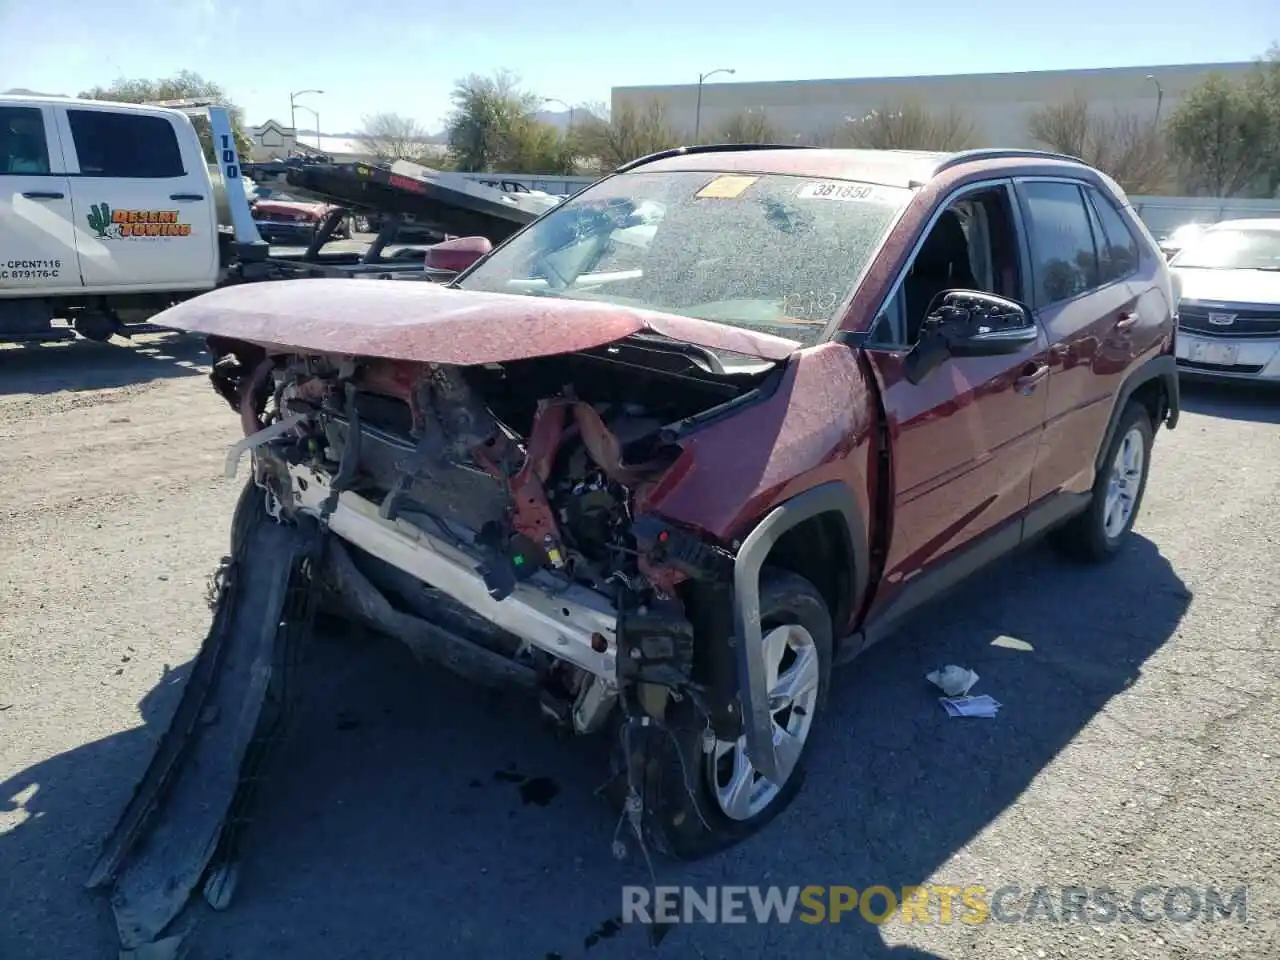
{"x":1138,"y":745}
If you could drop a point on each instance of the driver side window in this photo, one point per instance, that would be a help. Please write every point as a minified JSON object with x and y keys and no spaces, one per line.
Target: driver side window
{"x":971,"y":246}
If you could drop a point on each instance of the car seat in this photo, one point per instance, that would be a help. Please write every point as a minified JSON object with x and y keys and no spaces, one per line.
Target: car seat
{"x":942,"y":264}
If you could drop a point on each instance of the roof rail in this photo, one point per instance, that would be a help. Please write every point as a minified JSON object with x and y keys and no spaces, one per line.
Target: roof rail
{"x":999,"y":153}
{"x":708,"y":148}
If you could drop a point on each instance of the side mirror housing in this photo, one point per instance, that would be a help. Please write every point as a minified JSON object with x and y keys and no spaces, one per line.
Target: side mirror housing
{"x":456,"y":255}
{"x":968,"y":323}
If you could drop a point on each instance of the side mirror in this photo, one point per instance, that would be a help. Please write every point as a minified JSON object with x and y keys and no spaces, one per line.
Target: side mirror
{"x":454,"y":256}
{"x":967,"y":323}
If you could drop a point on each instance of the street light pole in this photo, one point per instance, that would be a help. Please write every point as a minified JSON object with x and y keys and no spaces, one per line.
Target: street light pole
{"x":697,"y":116}
{"x":293,"y":110}
{"x":316,"y":114}
{"x":1159,"y":98}
{"x":563,"y":104}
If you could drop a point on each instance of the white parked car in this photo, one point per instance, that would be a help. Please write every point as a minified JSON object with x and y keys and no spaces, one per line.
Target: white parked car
{"x":1229,"y":307}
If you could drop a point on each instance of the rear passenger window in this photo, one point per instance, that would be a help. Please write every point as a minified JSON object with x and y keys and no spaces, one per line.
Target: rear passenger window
{"x":23,"y":147}
{"x":126,"y":145}
{"x":1117,"y":247}
{"x":1064,"y":259}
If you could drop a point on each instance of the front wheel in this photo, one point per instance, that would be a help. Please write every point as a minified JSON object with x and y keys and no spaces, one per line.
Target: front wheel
{"x":703,"y":795}
{"x":1099,"y":532}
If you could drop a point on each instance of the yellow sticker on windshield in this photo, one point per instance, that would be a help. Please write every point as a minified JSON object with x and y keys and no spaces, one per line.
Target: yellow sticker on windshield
{"x":725,"y":188}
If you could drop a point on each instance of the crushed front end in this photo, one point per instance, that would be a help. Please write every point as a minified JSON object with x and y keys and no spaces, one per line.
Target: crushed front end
{"x":493,"y":516}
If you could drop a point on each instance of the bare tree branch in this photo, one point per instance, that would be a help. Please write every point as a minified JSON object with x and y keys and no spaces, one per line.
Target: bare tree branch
{"x":629,"y":133}
{"x":1127,"y":147}
{"x":749,"y":126}
{"x":391,"y":136}
{"x":909,"y":126}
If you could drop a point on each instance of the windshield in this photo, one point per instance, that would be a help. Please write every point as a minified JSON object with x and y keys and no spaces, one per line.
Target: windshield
{"x":1243,"y":248}
{"x":769,"y":252}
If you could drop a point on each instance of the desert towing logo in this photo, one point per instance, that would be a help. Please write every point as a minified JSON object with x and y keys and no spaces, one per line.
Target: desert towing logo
{"x":110,"y":224}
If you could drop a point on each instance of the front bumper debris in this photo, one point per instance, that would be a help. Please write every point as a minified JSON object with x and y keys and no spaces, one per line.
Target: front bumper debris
{"x":182,"y":823}
{"x":570,"y":622}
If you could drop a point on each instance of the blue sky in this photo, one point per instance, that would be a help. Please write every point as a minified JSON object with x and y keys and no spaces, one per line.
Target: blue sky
{"x":403,"y":56}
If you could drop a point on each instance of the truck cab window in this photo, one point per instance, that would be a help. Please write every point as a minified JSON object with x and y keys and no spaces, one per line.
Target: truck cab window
{"x":23,"y":147}
{"x":125,"y":145}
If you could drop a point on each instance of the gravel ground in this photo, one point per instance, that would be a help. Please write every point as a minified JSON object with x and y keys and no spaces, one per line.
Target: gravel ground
{"x":1138,"y":744}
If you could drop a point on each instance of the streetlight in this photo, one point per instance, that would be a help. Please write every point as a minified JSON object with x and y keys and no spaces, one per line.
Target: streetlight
{"x":293,"y":110}
{"x":702,"y":78}
{"x":563,"y":104}
{"x":1159,"y":97}
{"x":315,"y":113}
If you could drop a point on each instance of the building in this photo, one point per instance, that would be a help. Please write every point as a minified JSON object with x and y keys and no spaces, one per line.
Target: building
{"x":999,"y":104}
{"x":276,"y":141}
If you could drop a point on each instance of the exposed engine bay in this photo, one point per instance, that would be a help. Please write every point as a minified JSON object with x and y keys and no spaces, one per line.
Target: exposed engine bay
{"x":494,"y":517}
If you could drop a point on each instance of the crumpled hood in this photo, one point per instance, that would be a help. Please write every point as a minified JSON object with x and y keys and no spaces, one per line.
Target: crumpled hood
{"x":430,"y":323}
{"x":1230,"y":286}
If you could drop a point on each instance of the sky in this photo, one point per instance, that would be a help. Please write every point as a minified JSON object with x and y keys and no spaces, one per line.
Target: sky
{"x":404,"y":57}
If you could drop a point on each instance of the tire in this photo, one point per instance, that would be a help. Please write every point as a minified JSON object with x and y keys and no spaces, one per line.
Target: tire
{"x":683,"y":817}
{"x":1089,"y":537}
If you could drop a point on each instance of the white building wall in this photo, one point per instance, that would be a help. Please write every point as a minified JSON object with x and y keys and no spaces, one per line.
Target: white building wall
{"x":998,"y":103}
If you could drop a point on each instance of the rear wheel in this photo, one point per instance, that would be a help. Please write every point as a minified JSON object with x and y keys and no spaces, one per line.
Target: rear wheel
{"x":703,"y":795}
{"x":1099,"y":532}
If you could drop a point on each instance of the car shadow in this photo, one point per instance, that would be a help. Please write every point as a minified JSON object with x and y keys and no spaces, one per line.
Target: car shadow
{"x":410,"y":814}
{"x":1230,"y":400}
{"x":87,"y":365}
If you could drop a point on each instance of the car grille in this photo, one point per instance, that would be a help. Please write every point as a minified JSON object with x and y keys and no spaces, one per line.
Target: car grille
{"x":1248,"y":322}
{"x":1221,"y":367}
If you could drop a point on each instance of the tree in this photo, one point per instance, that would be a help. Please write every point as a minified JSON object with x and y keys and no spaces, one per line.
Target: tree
{"x":1126,"y":146}
{"x":185,"y":85}
{"x":629,"y":133}
{"x":749,"y":126}
{"x":910,"y":126}
{"x":391,"y":137}
{"x":1264,"y":88}
{"x":1223,"y":136}
{"x":494,"y":126}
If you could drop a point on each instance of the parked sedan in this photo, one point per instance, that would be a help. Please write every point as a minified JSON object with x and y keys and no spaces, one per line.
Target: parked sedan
{"x":1229,"y":308}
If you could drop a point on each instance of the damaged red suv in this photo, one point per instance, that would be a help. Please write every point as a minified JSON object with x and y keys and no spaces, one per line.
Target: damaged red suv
{"x":713,"y":425}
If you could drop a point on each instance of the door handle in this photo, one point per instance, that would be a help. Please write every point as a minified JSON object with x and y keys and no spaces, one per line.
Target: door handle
{"x":1031,"y":375}
{"x":38,"y":195}
{"x":1127,"y":320}
{"x":183,"y":197}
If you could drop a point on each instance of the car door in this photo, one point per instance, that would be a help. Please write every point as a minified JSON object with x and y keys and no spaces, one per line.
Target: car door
{"x":1088,"y":308}
{"x":37,"y":238}
{"x":963,"y":444}
{"x":141,"y":198}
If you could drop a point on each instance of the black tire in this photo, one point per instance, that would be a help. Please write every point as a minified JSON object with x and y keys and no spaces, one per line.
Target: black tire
{"x":682,"y":817}
{"x":1085,"y":536}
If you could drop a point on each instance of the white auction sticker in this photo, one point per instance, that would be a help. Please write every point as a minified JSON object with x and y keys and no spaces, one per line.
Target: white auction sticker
{"x":839,"y":190}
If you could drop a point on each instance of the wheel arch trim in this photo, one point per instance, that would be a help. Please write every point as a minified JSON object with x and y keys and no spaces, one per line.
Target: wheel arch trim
{"x":831,"y":497}
{"x":1162,"y":367}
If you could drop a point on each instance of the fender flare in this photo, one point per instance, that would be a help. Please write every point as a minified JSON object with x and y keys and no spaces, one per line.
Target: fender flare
{"x":831,"y":497}
{"x":1163,"y":367}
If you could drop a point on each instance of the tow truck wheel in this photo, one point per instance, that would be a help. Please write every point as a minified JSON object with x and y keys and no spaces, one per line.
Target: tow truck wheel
{"x":96,"y":325}
{"x":702,"y":795}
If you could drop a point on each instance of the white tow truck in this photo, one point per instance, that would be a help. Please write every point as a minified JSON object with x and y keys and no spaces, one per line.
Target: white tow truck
{"x":109,"y":213}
